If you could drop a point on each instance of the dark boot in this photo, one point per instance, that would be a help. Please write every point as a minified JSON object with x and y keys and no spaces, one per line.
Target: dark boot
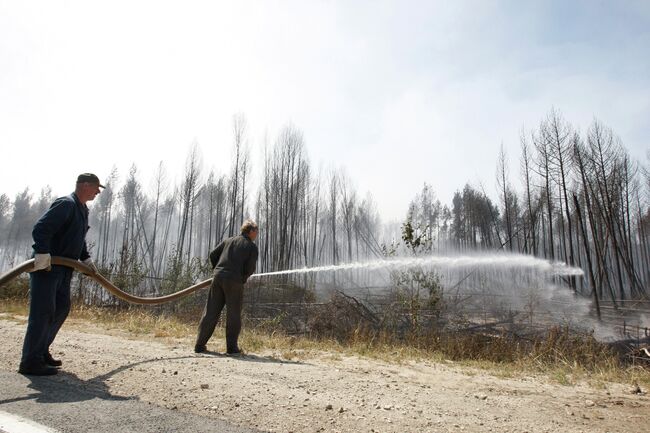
{"x":200,"y":348}
{"x":37,"y":369}
{"x":234,"y":351}
{"x":49,"y":360}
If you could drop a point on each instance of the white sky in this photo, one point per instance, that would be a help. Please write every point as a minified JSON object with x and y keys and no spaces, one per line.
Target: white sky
{"x":399,"y":93}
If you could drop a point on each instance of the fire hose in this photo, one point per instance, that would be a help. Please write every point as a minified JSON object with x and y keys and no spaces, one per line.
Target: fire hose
{"x":28,"y":266}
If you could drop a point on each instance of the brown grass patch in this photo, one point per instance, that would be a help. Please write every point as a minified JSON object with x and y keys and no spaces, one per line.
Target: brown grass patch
{"x":559,"y":354}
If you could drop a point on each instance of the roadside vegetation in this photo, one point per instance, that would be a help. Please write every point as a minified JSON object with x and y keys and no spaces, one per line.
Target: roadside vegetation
{"x":560,"y":354}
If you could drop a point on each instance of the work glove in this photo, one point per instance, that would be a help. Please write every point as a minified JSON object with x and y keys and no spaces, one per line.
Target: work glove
{"x":42,"y":261}
{"x":89,"y":262}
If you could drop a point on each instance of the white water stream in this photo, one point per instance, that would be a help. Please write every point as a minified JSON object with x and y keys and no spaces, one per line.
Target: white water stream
{"x":533,"y":289}
{"x":502,"y":261}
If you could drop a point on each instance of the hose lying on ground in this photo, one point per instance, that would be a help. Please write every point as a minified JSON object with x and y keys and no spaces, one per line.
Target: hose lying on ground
{"x":28,"y":266}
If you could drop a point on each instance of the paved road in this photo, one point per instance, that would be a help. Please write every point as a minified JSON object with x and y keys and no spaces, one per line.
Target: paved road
{"x":67,"y":404}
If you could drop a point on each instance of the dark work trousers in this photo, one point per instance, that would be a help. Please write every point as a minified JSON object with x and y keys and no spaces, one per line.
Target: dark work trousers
{"x":222,"y":292}
{"x":49,"y":306}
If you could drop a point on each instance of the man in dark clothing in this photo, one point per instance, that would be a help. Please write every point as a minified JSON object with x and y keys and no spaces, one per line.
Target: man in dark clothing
{"x":233,"y":261}
{"x":61,"y":231}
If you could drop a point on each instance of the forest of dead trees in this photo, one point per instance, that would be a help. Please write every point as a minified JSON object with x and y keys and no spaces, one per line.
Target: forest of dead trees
{"x":577,"y":197}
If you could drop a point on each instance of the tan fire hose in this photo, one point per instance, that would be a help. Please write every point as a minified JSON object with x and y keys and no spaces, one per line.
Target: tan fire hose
{"x":28,"y":266}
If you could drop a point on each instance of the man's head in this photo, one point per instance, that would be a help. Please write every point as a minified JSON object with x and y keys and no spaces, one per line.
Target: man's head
{"x":250,"y":229}
{"x":87,"y":187}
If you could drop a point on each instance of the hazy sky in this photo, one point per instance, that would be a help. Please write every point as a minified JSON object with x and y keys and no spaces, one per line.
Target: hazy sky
{"x":397,"y":92}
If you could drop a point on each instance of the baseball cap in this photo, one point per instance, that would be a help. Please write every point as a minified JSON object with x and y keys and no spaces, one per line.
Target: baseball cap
{"x":90,"y":178}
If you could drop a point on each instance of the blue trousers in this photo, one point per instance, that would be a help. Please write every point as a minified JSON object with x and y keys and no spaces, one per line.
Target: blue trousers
{"x":49,"y":305}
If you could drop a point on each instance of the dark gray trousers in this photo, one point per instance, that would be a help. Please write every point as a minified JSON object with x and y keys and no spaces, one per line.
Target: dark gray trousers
{"x":222,"y":292}
{"x":49,"y":305}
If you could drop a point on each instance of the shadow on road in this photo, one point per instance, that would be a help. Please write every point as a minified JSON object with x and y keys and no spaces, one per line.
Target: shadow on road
{"x":204,"y":355}
{"x":65,"y":388}
{"x":246,"y":358}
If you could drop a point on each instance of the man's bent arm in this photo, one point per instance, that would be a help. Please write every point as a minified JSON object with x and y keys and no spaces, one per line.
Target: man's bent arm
{"x":216,"y":254}
{"x":249,"y":267}
{"x":84,"y":252}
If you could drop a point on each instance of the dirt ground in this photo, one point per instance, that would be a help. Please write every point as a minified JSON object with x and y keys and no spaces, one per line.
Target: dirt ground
{"x":328,"y":392}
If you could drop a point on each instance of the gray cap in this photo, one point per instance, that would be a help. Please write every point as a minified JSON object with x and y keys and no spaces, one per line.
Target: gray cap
{"x":89,"y":178}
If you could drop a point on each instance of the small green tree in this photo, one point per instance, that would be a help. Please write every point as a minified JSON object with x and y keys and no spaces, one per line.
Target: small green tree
{"x":417,"y":289}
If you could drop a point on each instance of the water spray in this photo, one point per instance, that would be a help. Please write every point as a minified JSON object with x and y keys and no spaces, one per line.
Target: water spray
{"x":506,"y":267}
{"x":505,"y":261}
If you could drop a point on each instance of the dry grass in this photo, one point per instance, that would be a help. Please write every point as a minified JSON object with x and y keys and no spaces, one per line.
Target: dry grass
{"x":13,"y":307}
{"x":559,"y":355}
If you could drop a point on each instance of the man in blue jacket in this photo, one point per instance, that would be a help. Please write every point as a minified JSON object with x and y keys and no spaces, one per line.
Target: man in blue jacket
{"x":234,"y":262}
{"x":61,"y":231}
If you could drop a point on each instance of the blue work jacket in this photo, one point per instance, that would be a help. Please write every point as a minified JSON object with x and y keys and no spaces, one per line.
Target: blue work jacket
{"x":61,"y":231}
